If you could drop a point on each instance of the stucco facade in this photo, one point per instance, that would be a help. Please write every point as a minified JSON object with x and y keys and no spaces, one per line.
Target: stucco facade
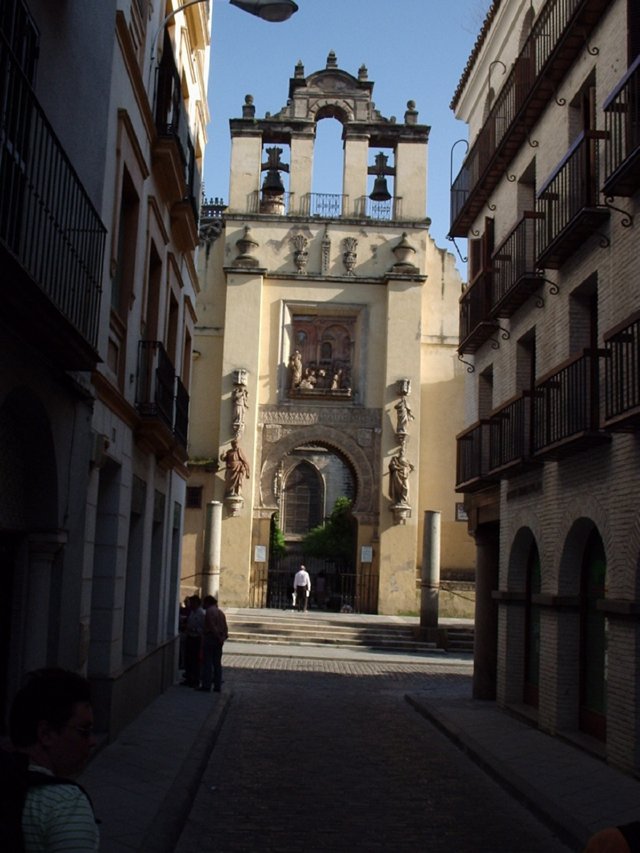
{"x":368,"y":302}
{"x":549,"y":460}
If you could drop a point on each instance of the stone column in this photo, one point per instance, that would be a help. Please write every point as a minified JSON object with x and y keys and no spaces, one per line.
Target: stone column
{"x":430,"y":575}
{"x":212,"y":540}
{"x":487,"y":538}
{"x":354,"y":180}
{"x":43,"y":549}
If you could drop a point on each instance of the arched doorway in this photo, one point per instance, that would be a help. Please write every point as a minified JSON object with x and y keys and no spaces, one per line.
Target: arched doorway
{"x":593,"y":639}
{"x":532,"y":628}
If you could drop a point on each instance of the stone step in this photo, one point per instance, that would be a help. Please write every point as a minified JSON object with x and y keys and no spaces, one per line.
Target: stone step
{"x":343,"y":630}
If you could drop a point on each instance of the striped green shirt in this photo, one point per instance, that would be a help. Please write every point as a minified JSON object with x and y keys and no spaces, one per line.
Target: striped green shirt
{"x":58,"y":819}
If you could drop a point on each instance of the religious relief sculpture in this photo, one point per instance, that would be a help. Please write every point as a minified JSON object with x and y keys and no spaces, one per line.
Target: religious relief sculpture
{"x":399,"y":470}
{"x":236,"y":470}
{"x":300,"y":253}
{"x":399,"y":466}
{"x":295,"y":369}
{"x":403,"y":411}
{"x":349,"y":256}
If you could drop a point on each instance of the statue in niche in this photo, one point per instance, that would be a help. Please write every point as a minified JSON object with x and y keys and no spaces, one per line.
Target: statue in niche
{"x":404,"y":415}
{"x":399,"y":470}
{"x":236,"y":469}
{"x":308,"y":381}
{"x":295,"y":366}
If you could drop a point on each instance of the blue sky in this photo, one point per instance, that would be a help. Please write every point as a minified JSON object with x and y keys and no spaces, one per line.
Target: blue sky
{"x":413,"y":49}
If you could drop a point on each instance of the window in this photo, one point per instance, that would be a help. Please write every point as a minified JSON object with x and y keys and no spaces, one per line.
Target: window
{"x":194,"y":497}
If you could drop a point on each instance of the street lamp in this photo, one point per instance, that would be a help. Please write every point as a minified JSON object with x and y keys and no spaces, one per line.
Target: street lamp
{"x":268,"y":10}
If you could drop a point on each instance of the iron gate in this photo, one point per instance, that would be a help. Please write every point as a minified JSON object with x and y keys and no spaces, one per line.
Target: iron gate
{"x":334,"y":586}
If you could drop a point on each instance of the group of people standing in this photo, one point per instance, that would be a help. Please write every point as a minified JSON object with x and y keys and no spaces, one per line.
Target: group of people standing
{"x":205,"y":631}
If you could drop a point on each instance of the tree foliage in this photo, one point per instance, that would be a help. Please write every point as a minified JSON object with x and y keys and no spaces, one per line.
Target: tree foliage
{"x":277,"y":545}
{"x":334,"y":538}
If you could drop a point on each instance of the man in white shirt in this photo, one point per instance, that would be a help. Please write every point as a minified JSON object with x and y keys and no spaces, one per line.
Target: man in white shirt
{"x":51,"y":726}
{"x":302,"y":588}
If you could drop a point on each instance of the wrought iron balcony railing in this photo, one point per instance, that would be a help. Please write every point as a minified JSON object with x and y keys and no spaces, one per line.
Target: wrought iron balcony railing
{"x":389,"y":210}
{"x":472,"y":458}
{"x":171,"y":116}
{"x":48,"y":224}
{"x":622,"y":375}
{"x":515,"y":275}
{"x":567,"y":205}
{"x":329,"y":205}
{"x":566,"y":407}
{"x":622,"y":146}
{"x":156,"y":382}
{"x":510,"y":434}
{"x":557,"y":36}
{"x":476,"y":324}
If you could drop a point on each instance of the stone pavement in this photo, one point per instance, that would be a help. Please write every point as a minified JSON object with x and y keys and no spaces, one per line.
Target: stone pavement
{"x":146,"y":785}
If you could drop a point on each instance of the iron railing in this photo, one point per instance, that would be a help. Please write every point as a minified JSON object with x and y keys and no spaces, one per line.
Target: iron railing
{"x":565,"y":402}
{"x":472,"y":457}
{"x":367,"y":208}
{"x":156,"y":381}
{"x":509,"y":433}
{"x":515,"y":275}
{"x":622,"y":371}
{"x":573,"y":188}
{"x":272,"y":587}
{"x":329,"y":205}
{"x":171,"y":116}
{"x":475,"y":304}
{"x":47,"y":221}
{"x":529,"y":86}
{"x":622,"y":123}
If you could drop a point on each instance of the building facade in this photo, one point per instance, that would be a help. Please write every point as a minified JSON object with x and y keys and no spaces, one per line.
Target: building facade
{"x":326,"y":362}
{"x":102,"y":120}
{"x":547,"y":196}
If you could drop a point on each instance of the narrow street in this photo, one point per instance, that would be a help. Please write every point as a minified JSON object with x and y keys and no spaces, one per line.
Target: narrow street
{"x":328,"y":755}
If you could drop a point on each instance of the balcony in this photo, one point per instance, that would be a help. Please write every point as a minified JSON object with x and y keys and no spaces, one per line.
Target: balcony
{"x":515,"y":275}
{"x":622,"y":375}
{"x":162,"y":403}
{"x":566,"y":408}
{"x":171,"y":146}
{"x":557,"y":38}
{"x":622,"y":147}
{"x":476,"y":323}
{"x":51,"y":237}
{"x":185,"y":214}
{"x":472,"y":459}
{"x":509,"y":429}
{"x":567,"y":204}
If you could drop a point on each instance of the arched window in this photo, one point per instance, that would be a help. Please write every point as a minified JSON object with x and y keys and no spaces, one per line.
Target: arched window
{"x":532,"y":629}
{"x":593,"y":639}
{"x":303,"y":500}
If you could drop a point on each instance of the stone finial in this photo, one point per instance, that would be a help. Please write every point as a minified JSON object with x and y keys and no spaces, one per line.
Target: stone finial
{"x":299,"y":69}
{"x":332,"y":61}
{"x":363,"y":73}
{"x":349,"y":256}
{"x":411,"y":114}
{"x":246,"y":244}
{"x":248,"y":109}
{"x":404,"y":253}
{"x":300,"y":245}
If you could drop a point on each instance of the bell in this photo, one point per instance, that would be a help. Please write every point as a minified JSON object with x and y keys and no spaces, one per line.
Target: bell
{"x":273,"y":183}
{"x":380,"y":190}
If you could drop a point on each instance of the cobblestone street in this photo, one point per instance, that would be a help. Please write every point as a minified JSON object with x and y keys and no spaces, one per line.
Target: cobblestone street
{"x":322,"y":755}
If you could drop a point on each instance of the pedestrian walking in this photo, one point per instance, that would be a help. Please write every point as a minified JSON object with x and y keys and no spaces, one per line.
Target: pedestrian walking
{"x":213,"y":639}
{"x":302,"y":587}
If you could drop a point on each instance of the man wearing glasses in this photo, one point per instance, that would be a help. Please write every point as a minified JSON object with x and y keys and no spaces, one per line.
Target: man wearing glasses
{"x":51,"y":728}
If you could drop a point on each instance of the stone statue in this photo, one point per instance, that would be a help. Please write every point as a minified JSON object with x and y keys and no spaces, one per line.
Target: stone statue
{"x":237,"y":469}
{"x":239,"y":398}
{"x":295,"y":366}
{"x":404,"y":415}
{"x":399,"y":470}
